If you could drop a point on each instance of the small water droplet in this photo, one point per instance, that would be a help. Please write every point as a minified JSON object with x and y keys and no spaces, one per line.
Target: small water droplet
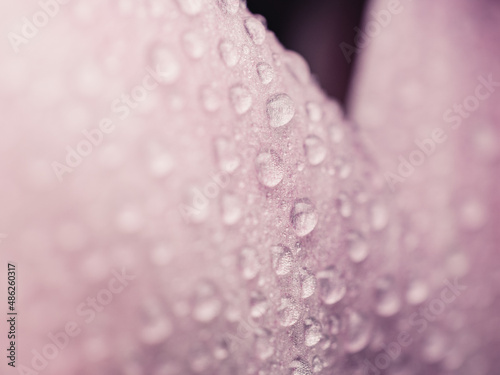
{"x":317,"y":364}
{"x":255,"y":30}
{"x":258,"y":305}
{"x":210,"y":99}
{"x":288,"y":312}
{"x":312,"y":331}
{"x":160,"y":162}
{"x":357,"y":246}
{"x":417,"y":292}
{"x":308,"y":283}
{"x":280,"y":110}
{"x":343,"y":167}
{"x":473,"y":214}
{"x":334,"y":324}
{"x":299,"y":367}
{"x":241,"y":99}
{"x":229,"y":53}
{"x":434,"y":347}
{"x":265,"y":72}
{"x":388,"y":301}
{"x":165,"y":63}
{"x":249,"y":263}
{"x":231,"y":209}
{"x":314,"y":111}
{"x":229,"y":6}
{"x":193,"y":45}
{"x":207,"y":305}
{"x":270,"y":169}
{"x":190,"y":7}
{"x":379,"y":216}
{"x":263,"y":344}
{"x":303,"y":217}
{"x":282,"y":259}
{"x":358,"y":332}
{"x":161,"y":255}
{"x":156,"y":331}
{"x":227,"y":157}
{"x":331,"y":284}
{"x":315,"y":149}
{"x":344,"y":205}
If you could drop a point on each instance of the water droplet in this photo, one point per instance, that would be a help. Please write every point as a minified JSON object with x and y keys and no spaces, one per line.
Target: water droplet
{"x":207,"y":305}
{"x":229,"y":6}
{"x":317,"y":364}
{"x":473,"y":214}
{"x":227,"y":157}
{"x":270,"y":170}
{"x":263,"y":345}
{"x":265,"y":72}
{"x":258,"y":305}
{"x":314,"y":111}
{"x":344,"y":205}
{"x":156,"y":331}
{"x":282,"y":259}
{"x":210,"y":99}
{"x":190,"y":7}
{"x":249,"y":263}
{"x":166,"y":64}
{"x":417,"y":292}
{"x":160,"y":162}
{"x":193,"y":44}
{"x":334,"y":324}
{"x":161,"y":255}
{"x":358,"y":332}
{"x":196,"y":208}
{"x":280,"y":110}
{"x":342,"y":167}
{"x":229,"y":53}
{"x":315,"y":149}
{"x":303,"y":217}
{"x":331,"y":284}
{"x":231,"y":209}
{"x":241,"y":99}
{"x":299,"y":367}
{"x":434,"y":347}
{"x":255,"y":30}
{"x":379,"y":216}
{"x":357,"y":246}
{"x":308,"y":283}
{"x":388,"y":302}
{"x":288,"y":312}
{"x":312,"y":332}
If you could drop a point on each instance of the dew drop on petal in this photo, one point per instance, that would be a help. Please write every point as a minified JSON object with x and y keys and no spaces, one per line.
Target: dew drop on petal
{"x":331,"y":285}
{"x":190,"y":7}
{"x":165,"y":63}
{"x":210,"y":99}
{"x":299,"y":367}
{"x":379,"y":216}
{"x":280,"y":110}
{"x":229,"y":6}
{"x":317,"y":364}
{"x":357,"y":246}
{"x":288,"y":312}
{"x":157,"y":331}
{"x":314,"y":111}
{"x":240,"y":98}
{"x":270,"y":169}
{"x":308,"y":283}
{"x":263,"y":344}
{"x":417,"y":292}
{"x":255,"y":30}
{"x":315,"y":150}
{"x":265,"y":72}
{"x":249,"y":262}
{"x":303,"y":217}
{"x":434,"y":347}
{"x":312,"y":331}
{"x":229,"y":53}
{"x":388,"y":302}
{"x":227,"y":157}
{"x":231,"y":209}
{"x":207,"y":305}
{"x":358,"y":332}
{"x":193,"y":45}
{"x":258,"y":305}
{"x":344,"y":205}
{"x":282,"y":259}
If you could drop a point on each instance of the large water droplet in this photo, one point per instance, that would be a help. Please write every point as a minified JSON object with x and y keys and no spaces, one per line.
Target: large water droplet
{"x":207,"y":305}
{"x":288,"y":312}
{"x":165,"y":63}
{"x":282,"y":259}
{"x":231,"y":209}
{"x":193,"y":45}
{"x":255,"y":30}
{"x":265,"y":72}
{"x":229,"y":53}
{"x":314,"y":111}
{"x":358,"y":332}
{"x":241,"y":99}
{"x":312,"y":332}
{"x":308,"y":283}
{"x":280,"y":110}
{"x":315,"y":149}
{"x":388,"y":301}
{"x":229,"y":6}
{"x":270,"y":169}
{"x":331,"y":284}
{"x":303,"y":217}
{"x":299,"y":367}
{"x":357,"y":247}
{"x":249,"y":262}
{"x":190,"y":7}
{"x":210,"y":99}
{"x":227,"y":157}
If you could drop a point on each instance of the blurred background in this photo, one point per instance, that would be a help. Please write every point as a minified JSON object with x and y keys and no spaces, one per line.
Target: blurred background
{"x":326,"y":22}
